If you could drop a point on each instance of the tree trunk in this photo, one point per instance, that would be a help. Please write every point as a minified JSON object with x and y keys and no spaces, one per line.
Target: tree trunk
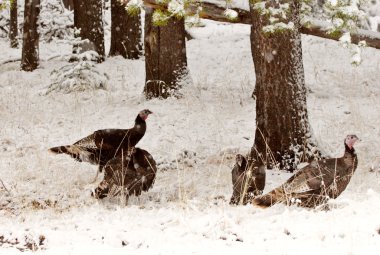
{"x":283,"y":134}
{"x":125,"y":32}
{"x":69,"y":4}
{"x":165,"y":56}
{"x":152,"y":56}
{"x":13,"y":25}
{"x":30,"y":58}
{"x":88,"y":18}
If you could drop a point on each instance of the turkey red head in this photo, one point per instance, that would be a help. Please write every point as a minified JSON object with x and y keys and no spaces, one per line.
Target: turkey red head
{"x":350,"y":141}
{"x":145,"y":113}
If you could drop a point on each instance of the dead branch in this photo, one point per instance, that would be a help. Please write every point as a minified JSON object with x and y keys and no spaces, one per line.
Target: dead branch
{"x":2,"y":183}
{"x":10,"y":61}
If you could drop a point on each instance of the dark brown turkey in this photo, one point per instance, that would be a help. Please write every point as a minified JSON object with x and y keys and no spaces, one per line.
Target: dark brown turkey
{"x":317,"y":182}
{"x":103,"y":145}
{"x":247,"y":181}
{"x":129,"y":174}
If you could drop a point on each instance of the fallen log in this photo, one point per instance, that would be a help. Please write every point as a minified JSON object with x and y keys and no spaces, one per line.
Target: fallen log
{"x":315,"y":28}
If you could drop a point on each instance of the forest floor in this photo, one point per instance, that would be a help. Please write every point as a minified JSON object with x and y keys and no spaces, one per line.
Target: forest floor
{"x":194,"y":141}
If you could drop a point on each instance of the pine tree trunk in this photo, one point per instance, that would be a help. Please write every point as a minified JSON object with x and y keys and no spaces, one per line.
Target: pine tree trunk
{"x":165,"y":56}
{"x":30,"y":58}
{"x":283,"y":132}
{"x":13,"y":25}
{"x":125,"y":32}
{"x":88,"y":18}
{"x":152,"y":56}
{"x":173,"y":61}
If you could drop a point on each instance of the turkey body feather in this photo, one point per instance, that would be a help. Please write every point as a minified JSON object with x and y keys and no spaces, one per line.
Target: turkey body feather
{"x":317,"y":182}
{"x":131,"y":175}
{"x":103,"y":145}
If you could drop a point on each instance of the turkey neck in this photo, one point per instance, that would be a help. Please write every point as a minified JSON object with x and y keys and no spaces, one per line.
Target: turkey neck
{"x":350,"y":158}
{"x":140,"y":124}
{"x":243,"y":165}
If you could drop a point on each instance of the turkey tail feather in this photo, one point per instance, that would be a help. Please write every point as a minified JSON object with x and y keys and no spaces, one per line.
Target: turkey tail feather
{"x":269,"y":199}
{"x":59,"y":149}
{"x":77,"y":152}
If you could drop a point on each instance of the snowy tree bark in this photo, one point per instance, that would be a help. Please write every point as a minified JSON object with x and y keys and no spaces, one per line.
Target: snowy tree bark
{"x":88,"y":18}
{"x":125,"y":32}
{"x":69,"y":4}
{"x":30,"y":44}
{"x":165,"y":56}
{"x":13,"y":25}
{"x":283,"y":132}
{"x":152,"y":55}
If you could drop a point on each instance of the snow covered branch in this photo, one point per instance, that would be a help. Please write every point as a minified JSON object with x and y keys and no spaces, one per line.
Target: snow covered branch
{"x":315,"y":28}
{"x":319,"y":28}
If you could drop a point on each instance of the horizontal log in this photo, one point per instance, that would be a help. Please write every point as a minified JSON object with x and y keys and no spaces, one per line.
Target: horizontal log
{"x":209,"y":11}
{"x":319,"y":28}
{"x":316,"y":28}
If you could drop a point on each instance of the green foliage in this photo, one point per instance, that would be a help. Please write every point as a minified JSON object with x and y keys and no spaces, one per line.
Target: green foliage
{"x":133,"y":10}
{"x":345,"y":15}
{"x":5,"y":3}
{"x":335,"y":33}
{"x":134,"y":7}
{"x":160,"y":18}
{"x":278,"y":15}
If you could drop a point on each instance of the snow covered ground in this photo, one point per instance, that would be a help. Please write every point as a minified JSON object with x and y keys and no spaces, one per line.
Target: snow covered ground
{"x":187,"y":211}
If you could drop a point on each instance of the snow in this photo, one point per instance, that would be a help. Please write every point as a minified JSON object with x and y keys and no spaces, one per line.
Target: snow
{"x":230,"y":14}
{"x":177,"y":8}
{"x":345,"y":39}
{"x":240,"y":4}
{"x":194,"y":139}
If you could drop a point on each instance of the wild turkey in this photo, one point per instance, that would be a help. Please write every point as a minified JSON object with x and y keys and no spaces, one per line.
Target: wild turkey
{"x":317,"y":182}
{"x":247,"y":181}
{"x":129,"y":174}
{"x":103,"y":145}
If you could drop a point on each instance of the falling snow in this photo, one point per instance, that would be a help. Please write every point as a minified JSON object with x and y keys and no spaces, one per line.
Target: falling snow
{"x":194,"y":140}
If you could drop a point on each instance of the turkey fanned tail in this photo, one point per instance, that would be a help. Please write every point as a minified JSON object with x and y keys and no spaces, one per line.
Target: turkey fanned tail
{"x":77,"y":152}
{"x":267,"y":200}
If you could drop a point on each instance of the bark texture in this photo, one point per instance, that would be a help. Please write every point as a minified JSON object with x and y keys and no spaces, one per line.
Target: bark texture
{"x":283,"y":132}
{"x":88,"y":18}
{"x":165,"y":56}
{"x":13,"y":25}
{"x":30,"y":45}
{"x":125,"y":32}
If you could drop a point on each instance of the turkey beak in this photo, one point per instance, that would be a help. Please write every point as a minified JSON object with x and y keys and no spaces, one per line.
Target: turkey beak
{"x":150,"y":112}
